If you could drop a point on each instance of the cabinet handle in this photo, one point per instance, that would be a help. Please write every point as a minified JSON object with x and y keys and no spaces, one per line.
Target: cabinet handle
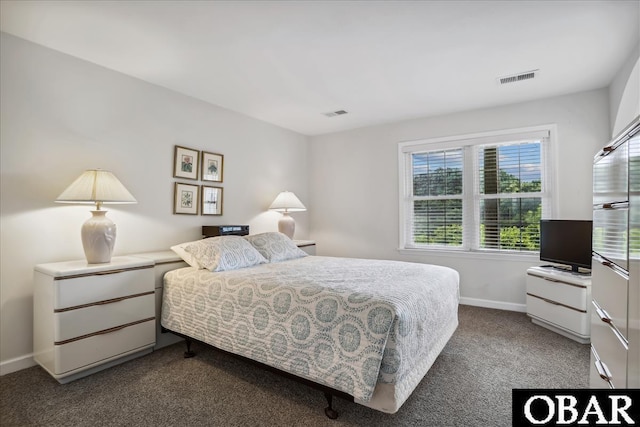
{"x":550,"y":301}
{"x":615,"y":205}
{"x":604,"y":316}
{"x":110,"y":330}
{"x":603,"y":371}
{"x":612,"y":265}
{"x":111,"y":301}
{"x":105,"y":273}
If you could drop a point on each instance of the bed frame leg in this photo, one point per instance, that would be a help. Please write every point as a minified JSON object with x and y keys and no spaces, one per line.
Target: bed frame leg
{"x":329,"y":411}
{"x":188,"y":353}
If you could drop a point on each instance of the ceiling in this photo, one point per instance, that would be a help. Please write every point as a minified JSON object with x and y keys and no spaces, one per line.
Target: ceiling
{"x":289,"y":62}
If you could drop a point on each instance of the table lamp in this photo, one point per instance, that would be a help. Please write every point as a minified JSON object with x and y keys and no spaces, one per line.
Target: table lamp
{"x":287,"y":202}
{"x":98,"y":232}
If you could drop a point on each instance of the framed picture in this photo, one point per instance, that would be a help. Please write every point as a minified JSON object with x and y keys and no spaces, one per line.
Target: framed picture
{"x":212,"y":166}
{"x":211,"y":200}
{"x":185,"y":199}
{"x":185,"y":163}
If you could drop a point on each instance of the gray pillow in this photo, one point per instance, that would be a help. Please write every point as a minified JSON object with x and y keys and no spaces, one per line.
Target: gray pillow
{"x":225,"y":253}
{"x":275,"y":246}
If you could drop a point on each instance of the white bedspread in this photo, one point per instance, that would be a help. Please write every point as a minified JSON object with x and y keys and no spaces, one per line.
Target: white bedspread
{"x":350,"y":324}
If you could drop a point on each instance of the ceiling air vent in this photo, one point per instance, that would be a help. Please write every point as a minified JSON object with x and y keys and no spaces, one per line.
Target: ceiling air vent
{"x":335,"y":113}
{"x":527,"y":75}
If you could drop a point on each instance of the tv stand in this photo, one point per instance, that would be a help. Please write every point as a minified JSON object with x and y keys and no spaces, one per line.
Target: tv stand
{"x":560,"y":300}
{"x":568,"y":269}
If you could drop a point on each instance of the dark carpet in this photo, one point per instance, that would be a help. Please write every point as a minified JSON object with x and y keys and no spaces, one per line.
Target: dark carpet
{"x":470,"y":384}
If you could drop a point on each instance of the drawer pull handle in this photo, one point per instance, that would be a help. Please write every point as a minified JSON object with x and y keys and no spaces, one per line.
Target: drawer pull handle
{"x":550,"y":301}
{"x":604,"y":316}
{"x":603,"y":371}
{"x":110,"y":330}
{"x":105,"y":273}
{"x":612,"y":265}
{"x":111,"y":301}
{"x":101,"y":273}
{"x":615,"y":205}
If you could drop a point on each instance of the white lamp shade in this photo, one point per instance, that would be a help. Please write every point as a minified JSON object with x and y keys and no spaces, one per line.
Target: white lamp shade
{"x":287,"y":202}
{"x":96,"y":186}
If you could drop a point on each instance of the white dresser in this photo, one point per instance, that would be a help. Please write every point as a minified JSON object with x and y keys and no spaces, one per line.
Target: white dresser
{"x":615,"y":323}
{"x":560,"y":301}
{"x":88,"y":317}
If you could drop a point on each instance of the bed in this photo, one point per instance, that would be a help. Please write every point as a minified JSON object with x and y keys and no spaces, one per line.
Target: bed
{"x":368,"y":329}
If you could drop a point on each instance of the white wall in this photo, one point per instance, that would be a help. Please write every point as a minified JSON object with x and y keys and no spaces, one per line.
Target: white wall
{"x":61,"y":115}
{"x":354,"y":186}
{"x":624,"y":93}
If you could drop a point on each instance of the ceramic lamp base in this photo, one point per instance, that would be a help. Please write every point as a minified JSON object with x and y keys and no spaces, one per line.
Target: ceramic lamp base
{"x":98,"y":238}
{"x":287,"y":225}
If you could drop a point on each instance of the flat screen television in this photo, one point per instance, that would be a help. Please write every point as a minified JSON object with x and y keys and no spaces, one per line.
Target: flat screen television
{"x":566,"y":242}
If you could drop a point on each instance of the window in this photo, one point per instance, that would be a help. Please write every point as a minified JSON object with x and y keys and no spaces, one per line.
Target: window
{"x":476,"y":193}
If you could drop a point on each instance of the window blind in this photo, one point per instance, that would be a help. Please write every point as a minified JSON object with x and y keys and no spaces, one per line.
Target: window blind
{"x":483,"y":193}
{"x":509,"y":195}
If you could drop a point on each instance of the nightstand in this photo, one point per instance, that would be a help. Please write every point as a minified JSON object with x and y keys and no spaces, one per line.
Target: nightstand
{"x":88,"y":317}
{"x":560,"y":301}
{"x":309,"y":246}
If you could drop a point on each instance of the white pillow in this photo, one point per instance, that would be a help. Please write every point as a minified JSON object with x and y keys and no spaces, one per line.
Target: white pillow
{"x":275,"y":246}
{"x":186,"y":256}
{"x":225,"y":253}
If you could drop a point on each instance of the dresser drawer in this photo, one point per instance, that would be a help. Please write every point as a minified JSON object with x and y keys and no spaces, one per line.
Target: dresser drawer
{"x":610,"y":176}
{"x":75,"y":291}
{"x":559,"y":315}
{"x":109,"y":314}
{"x":610,"y":349}
{"x":97,"y":348}
{"x":571,"y":295}
{"x":610,"y":234}
{"x":611,"y":294}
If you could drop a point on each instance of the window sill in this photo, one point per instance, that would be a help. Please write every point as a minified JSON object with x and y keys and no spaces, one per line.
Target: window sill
{"x":496,"y":256}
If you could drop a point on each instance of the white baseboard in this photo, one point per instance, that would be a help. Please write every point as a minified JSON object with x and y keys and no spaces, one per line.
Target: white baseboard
{"x":499,"y":305}
{"x":17,"y":364}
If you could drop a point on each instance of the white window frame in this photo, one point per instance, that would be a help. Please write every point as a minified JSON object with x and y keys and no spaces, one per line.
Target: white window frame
{"x":470,"y":198}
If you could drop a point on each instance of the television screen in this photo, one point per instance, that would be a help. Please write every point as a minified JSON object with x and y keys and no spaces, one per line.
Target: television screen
{"x":566,"y":242}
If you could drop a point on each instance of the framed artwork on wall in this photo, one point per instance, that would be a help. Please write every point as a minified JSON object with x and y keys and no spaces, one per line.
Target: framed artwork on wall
{"x":212,"y":164}
{"x":211,"y":200}
{"x":185,"y":163}
{"x":185,"y":199}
